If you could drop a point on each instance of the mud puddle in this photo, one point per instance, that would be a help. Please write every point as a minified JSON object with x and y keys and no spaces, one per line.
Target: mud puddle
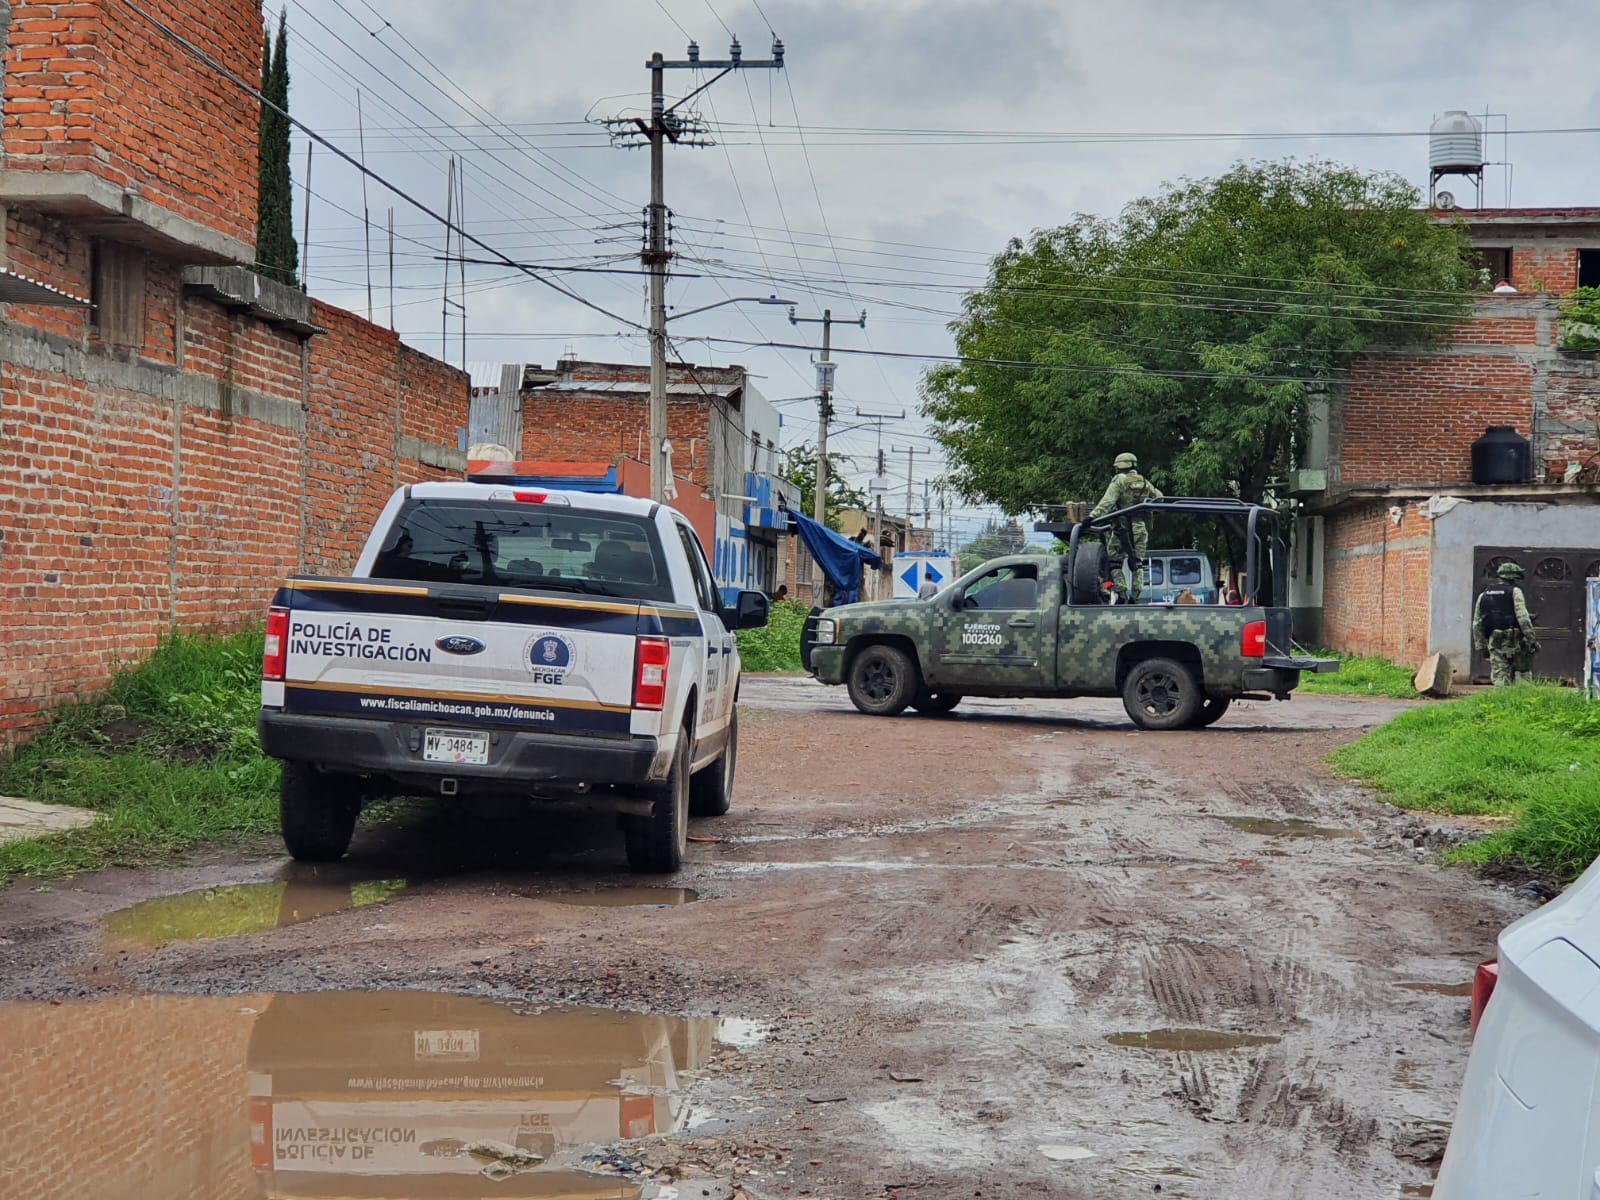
{"x":1191,"y":1039}
{"x":219,"y":912}
{"x":626,"y":897}
{"x":1290,"y":827}
{"x":1417,"y":1189}
{"x":347,"y":1093}
{"x":1438,"y":989}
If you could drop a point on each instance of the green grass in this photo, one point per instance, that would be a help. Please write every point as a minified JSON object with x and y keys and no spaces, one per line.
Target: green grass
{"x":1531,"y":752}
{"x":167,"y":757}
{"x":777,"y":647}
{"x":1360,"y":677}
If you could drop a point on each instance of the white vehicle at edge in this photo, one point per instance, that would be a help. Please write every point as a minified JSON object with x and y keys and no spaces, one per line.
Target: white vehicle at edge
{"x":1528,"y":1124}
{"x":504,"y":640}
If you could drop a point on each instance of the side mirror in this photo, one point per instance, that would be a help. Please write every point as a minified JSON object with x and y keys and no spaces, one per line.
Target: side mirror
{"x":750,"y":611}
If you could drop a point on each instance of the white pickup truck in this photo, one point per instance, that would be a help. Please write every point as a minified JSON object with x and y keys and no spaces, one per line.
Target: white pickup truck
{"x":504,"y":640}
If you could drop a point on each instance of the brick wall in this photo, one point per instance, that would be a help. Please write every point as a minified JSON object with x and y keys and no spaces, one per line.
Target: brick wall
{"x":175,"y":483}
{"x":150,"y":1093}
{"x":92,"y":86}
{"x":568,"y":427}
{"x":1536,"y":268}
{"x":1375,"y":581}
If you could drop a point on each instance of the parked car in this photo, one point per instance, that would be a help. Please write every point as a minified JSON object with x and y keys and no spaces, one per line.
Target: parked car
{"x":509,"y":641}
{"x":1528,"y":1123}
{"x":1170,"y":573}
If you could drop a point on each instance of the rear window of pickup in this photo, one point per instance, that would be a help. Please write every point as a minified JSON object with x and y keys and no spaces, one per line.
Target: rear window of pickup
{"x":542,"y":547}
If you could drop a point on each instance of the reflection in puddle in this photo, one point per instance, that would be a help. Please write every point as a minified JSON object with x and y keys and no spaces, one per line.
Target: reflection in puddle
{"x":1292,"y":827}
{"x":1190,"y":1039}
{"x":1439,"y":989}
{"x":244,"y":908}
{"x":627,"y":897}
{"x":371,"y":1094}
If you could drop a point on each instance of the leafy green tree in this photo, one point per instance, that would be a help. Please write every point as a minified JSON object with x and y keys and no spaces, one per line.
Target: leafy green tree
{"x":1195,"y":329}
{"x":997,"y":538}
{"x":800,"y":469}
{"x":277,"y":253}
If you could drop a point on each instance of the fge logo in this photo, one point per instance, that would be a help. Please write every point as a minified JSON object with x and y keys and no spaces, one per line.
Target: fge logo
{"x":549,"y":657}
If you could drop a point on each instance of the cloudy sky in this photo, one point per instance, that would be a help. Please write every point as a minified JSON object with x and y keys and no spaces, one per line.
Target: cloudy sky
{"x":905,"y":141}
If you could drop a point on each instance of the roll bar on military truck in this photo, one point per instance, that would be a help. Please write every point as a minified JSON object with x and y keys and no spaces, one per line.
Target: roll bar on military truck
{"x":1048,"y":625}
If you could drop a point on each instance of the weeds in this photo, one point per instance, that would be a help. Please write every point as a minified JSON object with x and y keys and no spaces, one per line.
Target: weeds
{"x":1360,"y":677}
{"x":1531,"y":751}
{"x":167,"y":757}
{"x":777,"y":646}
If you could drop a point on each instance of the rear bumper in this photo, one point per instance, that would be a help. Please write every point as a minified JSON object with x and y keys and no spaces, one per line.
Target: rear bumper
{"x":1295,"y":662}
{"x":1276,"y":680}
{"x":827,"y":663}
{"x":518,"y":759}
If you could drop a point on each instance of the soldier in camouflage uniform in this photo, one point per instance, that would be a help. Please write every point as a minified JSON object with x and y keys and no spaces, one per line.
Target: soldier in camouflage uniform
{"x":1127,"y":488}
{"x":1503,"y":629}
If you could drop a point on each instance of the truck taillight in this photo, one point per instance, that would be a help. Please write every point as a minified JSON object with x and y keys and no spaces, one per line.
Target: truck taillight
{"x":277,"y":646}
{"x":261,"y":1133}
{"x":1253,"y":640}
{"x":650,"y":676}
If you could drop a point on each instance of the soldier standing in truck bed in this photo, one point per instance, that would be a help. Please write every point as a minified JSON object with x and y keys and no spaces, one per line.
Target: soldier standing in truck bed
{"x":1502,"y":628}
{"x":1127,"y":488}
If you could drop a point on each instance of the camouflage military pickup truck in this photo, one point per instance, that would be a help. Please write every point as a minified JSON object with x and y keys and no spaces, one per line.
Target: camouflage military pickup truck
{"x":1048,"y":625}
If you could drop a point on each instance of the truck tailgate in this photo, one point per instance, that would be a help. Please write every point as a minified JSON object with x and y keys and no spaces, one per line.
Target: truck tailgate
{"x":468,"y":655}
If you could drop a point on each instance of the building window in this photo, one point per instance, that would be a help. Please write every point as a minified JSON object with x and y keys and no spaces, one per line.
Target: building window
{"x":1493,"y":263}
{"x":116,"y":294}
{"x":1589,"y":268}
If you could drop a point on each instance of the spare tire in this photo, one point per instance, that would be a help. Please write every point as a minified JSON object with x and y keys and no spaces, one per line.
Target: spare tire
{"x":1091,"y":571}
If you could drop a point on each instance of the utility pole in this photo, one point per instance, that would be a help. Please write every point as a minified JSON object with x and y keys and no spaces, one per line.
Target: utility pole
{"x":825,"y":369}
{"x":911,"y":474}
{"x":665,"y":125}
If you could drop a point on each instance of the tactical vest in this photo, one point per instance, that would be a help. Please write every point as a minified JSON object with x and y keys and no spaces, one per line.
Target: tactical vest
{"x":1497,"y":611}
{"x":1135,"y":488}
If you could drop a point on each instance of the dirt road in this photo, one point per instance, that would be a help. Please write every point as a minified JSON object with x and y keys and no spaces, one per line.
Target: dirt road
{"x":1022,"y":950}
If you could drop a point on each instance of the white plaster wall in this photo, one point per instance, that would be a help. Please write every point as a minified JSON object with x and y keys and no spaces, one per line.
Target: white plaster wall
{"x":1458,"y":533}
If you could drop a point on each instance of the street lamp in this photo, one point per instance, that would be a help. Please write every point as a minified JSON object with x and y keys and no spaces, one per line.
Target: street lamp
{"x":658,"y":386}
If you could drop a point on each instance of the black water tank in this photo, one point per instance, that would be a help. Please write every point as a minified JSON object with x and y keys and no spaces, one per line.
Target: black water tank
{"x":1501,"y":455}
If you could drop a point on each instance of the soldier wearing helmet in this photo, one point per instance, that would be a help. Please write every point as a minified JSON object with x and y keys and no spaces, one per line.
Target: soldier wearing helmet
{"x":1502,"y":628}
{"x":1127,"y":488}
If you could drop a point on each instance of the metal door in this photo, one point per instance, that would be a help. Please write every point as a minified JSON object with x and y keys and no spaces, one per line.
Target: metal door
{"x":1554,"y":588}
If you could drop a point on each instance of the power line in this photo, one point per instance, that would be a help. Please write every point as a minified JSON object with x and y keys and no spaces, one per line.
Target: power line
{"x":210,"y":62}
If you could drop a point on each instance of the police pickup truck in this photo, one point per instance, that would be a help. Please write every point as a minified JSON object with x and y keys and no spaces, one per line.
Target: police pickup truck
{"x":1048,"y":625}
{"x":504,"y":640}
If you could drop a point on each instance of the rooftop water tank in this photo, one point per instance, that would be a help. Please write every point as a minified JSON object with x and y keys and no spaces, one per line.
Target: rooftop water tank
{"x":1501,"y":455}
{"x":1455,"y":143}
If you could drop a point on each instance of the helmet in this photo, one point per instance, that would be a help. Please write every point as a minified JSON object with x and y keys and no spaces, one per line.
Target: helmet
{"x":1126,"y":461}
{"x":1511,"y":570}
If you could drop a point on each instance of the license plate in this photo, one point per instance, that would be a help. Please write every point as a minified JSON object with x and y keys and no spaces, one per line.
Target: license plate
{"x":458,"y":1045}
{"x":450,"y":746}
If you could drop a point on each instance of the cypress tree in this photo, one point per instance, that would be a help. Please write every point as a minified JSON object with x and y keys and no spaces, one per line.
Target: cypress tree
{"x":277,"y":254}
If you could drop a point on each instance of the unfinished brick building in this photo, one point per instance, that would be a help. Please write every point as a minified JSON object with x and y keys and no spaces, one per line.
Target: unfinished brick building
{"x":176,"y":434}
{"x":1398,"y":539}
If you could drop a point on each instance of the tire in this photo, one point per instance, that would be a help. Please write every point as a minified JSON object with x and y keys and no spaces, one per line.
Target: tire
{"x":1161,"y":694}
{"x":883,"y":681}
{"x":1091,"y":571}
{"x":656,"y":843}
{"x":316,"y":812}
{"x":1211,"y":710}
{"x":711,"y":791}
{"x":935,"y":704}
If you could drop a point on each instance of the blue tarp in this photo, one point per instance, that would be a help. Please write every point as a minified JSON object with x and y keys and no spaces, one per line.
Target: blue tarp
{"x":840,"y":558}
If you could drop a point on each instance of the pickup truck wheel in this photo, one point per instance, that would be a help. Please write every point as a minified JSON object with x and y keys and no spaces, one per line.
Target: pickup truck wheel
{"x":656,"y":843}
{"x":883,"y":681}
{"x":1161,"y":694}
{"x":935,"y":704}
{"x":711,"y":791}
{"x":1211,"y":711}
{"x":316,"y":812}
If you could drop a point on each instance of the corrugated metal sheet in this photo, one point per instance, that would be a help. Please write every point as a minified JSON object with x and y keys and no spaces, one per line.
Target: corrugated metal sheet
{"x":19,"y":289}
{"x":494,"y":414}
